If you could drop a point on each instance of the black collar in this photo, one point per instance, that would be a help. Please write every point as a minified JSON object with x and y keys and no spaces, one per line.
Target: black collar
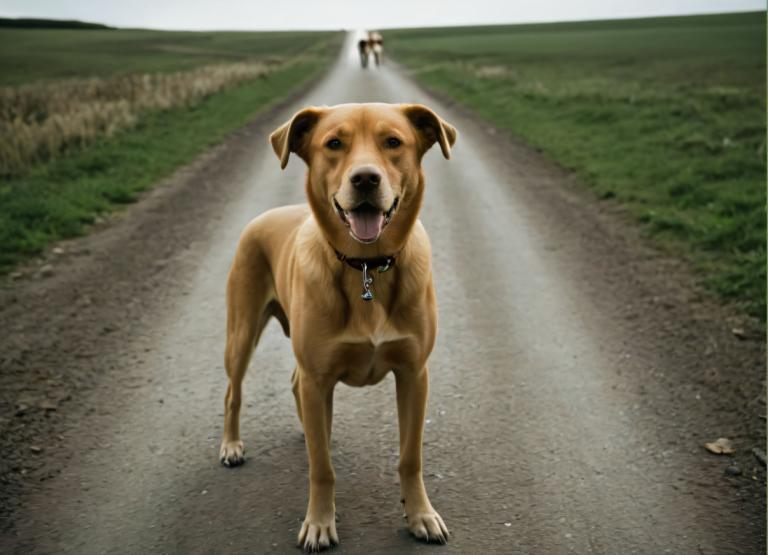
{"x":381,"y":263}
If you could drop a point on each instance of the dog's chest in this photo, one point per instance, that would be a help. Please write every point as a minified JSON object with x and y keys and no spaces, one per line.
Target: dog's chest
{"x":366,"y":360}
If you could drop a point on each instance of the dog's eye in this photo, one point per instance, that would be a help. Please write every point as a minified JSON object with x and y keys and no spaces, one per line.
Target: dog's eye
{"x":393,"y":142}
{"x":334,"y":144}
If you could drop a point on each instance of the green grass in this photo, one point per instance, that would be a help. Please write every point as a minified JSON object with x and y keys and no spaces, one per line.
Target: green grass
{"x":665,"y":115}
{"x":28,"y":55}
{"x":61,"y":198}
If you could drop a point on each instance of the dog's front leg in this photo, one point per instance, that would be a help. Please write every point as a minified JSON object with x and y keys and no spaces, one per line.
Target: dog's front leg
{"x":316,"y":401}
{"x":423,"y":520}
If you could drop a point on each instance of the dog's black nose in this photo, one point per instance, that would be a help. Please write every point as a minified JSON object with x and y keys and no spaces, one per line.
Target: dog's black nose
{"x":365,"y":179}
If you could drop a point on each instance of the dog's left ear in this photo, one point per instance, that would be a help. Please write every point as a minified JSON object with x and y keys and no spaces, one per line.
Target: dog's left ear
{"x":431,"y":128}
{"x":293,"y":135}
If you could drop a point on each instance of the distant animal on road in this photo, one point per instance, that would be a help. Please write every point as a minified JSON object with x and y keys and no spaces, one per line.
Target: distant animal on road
{"x":364,"y":50}
{"x":376,"y":45}
{"x":373,"y":44}
{"x":349,"y":278}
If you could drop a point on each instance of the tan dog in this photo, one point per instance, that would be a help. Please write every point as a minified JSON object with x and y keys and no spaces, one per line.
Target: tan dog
{"x":307,"y":266}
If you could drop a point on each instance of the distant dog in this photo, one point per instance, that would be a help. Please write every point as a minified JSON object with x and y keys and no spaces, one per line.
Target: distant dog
{"x":376,"y":45}
{"x":349,"y":277}
{"x":364,"y":48}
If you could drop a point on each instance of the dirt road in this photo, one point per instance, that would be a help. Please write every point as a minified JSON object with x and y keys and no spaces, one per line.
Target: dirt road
{"x":576,"y":376}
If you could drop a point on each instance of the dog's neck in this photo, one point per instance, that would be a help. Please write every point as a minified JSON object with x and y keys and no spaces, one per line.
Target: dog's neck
{"x":383,"y":263}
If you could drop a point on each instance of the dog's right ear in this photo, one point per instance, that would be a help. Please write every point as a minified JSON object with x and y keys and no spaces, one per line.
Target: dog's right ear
{"x":293,"y":136}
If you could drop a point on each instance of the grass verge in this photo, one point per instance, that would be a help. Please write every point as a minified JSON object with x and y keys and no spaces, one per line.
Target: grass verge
{"x":60,"y":199}
{"x":665,"y":115}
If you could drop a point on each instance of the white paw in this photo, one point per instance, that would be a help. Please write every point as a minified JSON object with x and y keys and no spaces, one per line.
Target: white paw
{"x":428,"y":526}
{"x":232,"y":453}
{"x":318,"y":534}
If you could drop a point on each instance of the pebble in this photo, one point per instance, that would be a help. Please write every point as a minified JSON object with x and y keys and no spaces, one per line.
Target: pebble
{"x":732,"y":470}
{"x":47,"y":404}
{"x":46,"y":271}
{"x":35,"y":449}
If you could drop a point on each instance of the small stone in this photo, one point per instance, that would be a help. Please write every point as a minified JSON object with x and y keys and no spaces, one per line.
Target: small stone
{"x":57,"y":251}
{"x":732,"y":470}
{"x":46,"y":271}
{"x":21,"y":409}
{"x":35,"y":449}
{"x":16,"y":275}
{"x":739,"y":333}
{"x":507,"y":524}
{"x":722,"y":446}
{"x":47,"y":404}
{"x":204,"y":492}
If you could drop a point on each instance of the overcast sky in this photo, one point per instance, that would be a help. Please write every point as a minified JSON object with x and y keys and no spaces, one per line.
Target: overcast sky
{"x":338,"y":14}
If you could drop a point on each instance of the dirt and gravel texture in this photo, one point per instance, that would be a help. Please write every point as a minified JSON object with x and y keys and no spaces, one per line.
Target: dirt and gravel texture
{"x":578,"y":373}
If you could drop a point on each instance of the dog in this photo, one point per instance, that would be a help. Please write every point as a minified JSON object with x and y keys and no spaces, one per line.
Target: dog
{"x":364,"y":49}
{"x":349,"y":278}
{"x":376,"y":45}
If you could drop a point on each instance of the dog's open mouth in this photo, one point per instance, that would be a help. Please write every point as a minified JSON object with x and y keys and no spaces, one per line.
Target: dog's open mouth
{"x":366,"y":221}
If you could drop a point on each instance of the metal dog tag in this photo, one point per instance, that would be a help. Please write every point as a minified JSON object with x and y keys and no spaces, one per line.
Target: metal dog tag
{"x":367,"y":281}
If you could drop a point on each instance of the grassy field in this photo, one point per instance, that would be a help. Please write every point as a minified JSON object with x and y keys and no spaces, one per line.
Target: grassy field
{"x":665,"y":115}
{"x":60,"y":198}
{"x":29,"y":55}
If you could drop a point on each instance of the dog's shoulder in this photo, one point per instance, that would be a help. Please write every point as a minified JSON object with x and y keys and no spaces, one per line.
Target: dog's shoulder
{"x":278,"y":219}
{"x":415,"y":264}
{"x":270,"y":231}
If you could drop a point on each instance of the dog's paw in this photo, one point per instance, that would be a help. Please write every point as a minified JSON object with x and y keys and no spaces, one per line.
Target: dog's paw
{"x":428,"y":526}
{"x":316,"y":535}
{"x":232,"y":453}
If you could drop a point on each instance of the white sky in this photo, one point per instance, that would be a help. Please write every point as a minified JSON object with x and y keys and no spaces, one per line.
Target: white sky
{"x":351,"y":14}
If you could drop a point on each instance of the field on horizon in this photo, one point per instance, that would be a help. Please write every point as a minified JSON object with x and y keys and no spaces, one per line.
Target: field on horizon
{"x":31,"y":55}
{"x":666,"y":116}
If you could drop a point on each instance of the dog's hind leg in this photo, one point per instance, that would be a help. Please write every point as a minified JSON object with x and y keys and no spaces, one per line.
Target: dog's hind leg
{"x":249,"y":293}
{"x":296,"y":393}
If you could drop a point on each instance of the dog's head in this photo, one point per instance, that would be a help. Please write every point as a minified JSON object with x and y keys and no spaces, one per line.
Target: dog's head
{"x":364,"y":165}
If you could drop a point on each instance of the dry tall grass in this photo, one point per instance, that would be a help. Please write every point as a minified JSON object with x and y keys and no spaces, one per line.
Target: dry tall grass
{"x":40,"y":121}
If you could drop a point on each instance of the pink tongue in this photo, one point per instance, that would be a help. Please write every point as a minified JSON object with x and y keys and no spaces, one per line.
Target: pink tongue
{"x":365,"y":224}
